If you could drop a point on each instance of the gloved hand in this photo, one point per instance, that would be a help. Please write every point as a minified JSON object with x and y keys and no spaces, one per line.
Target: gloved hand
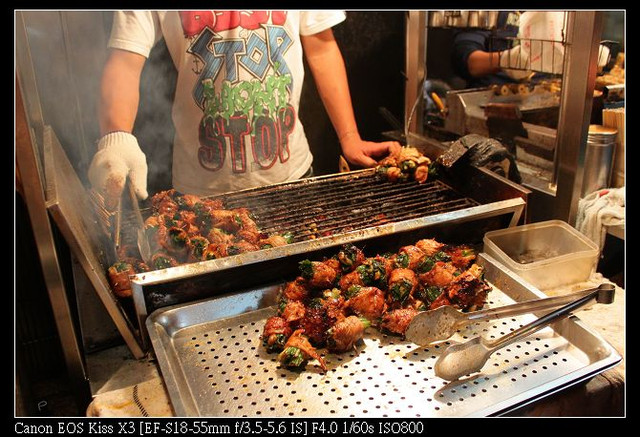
{"x":118,"y":156}
{"x":515,"y":62}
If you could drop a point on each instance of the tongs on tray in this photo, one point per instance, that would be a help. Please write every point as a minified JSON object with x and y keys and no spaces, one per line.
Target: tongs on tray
{"x":465,"y":358}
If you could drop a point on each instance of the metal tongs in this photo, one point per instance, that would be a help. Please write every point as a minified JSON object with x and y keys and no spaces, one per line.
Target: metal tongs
{"x":143,"y":243}
{"x":441,"y":323}
{"x":468,"y":357}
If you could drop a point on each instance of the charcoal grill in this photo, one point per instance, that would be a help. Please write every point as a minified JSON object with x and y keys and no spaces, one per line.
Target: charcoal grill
{"x":325,"y":212}
{"x":328,"y":206}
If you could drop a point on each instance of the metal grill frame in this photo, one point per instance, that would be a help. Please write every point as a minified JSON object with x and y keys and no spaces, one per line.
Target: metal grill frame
{"x":498,"y":199}
{"x":214,"y":364}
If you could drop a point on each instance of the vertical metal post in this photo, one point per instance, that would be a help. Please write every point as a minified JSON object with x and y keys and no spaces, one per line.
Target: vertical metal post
{"x":415,"y":68}
{"x":584,"y":29}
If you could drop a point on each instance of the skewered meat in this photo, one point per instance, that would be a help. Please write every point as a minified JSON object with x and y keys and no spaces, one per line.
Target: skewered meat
{"x":468,"y":290}
{"x":404,"y":164}
{"x":398,"y":320}
{"x":293,"y":312}
{"x":187,"y":201}
{"x":333,"y":263}
{"x":367,"y":302}
{"x":161,"y":260}
{"x":296,"y":290}
{"x":428,"y":294}
{"x":176,"y":242}
{"x":429,"y":246}
{"x":350,"y":257}
{"x":321,"y":313}
{"x":275,"y":334}
{"x":119,"y":279}
{"x":197,"y":246}
{"x":402,"y":283}
{"x":342,"y":336}
{"x":241,"y":246}
{"x":272,"y":241}
{"x":315,"y":325}
{"x":297,"y":351}
{"x":333,"y":304}
{"x":214,"y":251}
{"x":373,"y":271}
{"x":218,"y":236}
{"x":441,"y":300}
{"x":350,"y":280}
{"x":187,"y":228}
{"x":318,"y":274}
{"x":409,"y":257}
{"x":440,"y":274}
{"x":385,"y":291}
{"x":461,"y":256}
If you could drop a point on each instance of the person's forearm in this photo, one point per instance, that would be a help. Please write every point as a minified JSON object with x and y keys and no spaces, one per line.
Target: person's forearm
{"x":120,"y":91}
{"x":330,"y":75}
{"x":481,"y":63}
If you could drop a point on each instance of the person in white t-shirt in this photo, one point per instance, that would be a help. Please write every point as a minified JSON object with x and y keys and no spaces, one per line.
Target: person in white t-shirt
{"x":235,"y":109}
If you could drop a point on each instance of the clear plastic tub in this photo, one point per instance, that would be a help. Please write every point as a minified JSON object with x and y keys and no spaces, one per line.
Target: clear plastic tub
{"x":546,"y":254}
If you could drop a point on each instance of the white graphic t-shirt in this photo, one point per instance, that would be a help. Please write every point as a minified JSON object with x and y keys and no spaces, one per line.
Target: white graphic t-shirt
{"x":240,"y":75}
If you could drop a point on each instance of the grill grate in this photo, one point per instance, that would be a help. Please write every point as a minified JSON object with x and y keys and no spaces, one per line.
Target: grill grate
{"x":329,"y":206}
{"x":230,"y":373}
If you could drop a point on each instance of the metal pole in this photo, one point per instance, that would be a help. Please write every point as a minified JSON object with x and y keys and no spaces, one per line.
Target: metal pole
{"x":415,"y":70}
{"x":584,"y":29}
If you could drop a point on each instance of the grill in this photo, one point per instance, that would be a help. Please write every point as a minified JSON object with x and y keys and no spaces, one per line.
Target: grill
{"x":325,"y":212}
{"x":328,"y":206}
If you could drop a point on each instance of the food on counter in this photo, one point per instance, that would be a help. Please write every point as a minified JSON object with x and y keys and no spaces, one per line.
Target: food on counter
{"x":276,"y":333}
{"x":333,"y":302}
{"x":120,"y":272}
{"x":404,"y":164}
{"x":342,"y":336}
{"x":185,"y":228}
{"x":297,"y":351}
{"x":119,"y":278}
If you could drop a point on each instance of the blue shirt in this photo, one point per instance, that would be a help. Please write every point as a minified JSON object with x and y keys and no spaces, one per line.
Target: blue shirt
{"x":468,"y":41}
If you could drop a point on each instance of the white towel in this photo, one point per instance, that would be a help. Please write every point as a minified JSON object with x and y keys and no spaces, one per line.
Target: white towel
{"x":599,"y":210}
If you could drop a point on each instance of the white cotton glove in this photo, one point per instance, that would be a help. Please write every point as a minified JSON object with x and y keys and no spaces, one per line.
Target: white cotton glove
{"x":515,"y":62}
{"x":118,"y":156}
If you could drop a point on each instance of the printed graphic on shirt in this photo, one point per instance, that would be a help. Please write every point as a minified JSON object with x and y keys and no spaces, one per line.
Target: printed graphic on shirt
{"x":245,"y":113}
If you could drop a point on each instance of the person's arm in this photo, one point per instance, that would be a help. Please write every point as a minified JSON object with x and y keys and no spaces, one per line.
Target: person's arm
{"x":481,"y":63}
{"x":120,"y":91}
{"x":327,"y":67}
{"x":119,"y":155}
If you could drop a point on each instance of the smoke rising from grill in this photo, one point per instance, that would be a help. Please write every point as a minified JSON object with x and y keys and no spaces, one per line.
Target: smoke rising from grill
{"x":154,"y":126}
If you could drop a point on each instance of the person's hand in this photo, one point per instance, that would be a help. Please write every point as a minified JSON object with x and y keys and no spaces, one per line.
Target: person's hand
{"x":118,"y":156}
{"x":365,"y":153}
{"x":515,"y":62}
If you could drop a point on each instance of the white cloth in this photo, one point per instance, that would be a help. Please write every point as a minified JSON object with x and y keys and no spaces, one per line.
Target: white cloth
{"x":599,"y":210}
{"x":240,"y":76}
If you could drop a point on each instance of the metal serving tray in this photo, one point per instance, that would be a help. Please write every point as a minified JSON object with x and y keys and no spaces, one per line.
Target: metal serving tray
{"x":213,"y":363}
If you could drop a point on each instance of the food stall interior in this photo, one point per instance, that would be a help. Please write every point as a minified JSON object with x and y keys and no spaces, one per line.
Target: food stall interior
{"x":67,"y":311}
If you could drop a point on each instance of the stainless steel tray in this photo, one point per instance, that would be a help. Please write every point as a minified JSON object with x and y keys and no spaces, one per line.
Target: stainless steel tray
{"x":213,"y":363}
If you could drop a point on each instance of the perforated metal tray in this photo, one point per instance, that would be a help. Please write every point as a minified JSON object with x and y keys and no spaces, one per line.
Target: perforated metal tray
{"x":213,"y":363}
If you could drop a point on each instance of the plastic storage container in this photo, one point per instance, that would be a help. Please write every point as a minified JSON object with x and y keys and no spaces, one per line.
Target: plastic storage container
{"x":546,"y":254}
